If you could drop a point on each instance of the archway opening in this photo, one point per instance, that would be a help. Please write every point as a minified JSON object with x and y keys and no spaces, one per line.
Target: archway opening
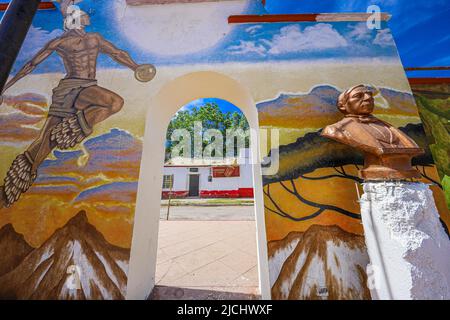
{"x":173,"y":95}
{"x":207,"y":232}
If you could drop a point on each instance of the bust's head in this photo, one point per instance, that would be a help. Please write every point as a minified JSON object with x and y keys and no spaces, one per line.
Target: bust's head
{"x":357,"y":100}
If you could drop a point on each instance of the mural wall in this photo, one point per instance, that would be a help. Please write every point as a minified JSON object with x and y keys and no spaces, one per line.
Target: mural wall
{"x":70,"y":149}
{"x":433,"y":101}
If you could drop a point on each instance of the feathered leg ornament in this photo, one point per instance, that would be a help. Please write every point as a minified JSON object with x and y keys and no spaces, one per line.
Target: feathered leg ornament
{"x":70,"y":131}
{"x":18,"y":180}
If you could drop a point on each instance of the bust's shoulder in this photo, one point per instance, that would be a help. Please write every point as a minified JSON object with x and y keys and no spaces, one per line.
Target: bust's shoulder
{"x":333,"y":131}
{"x":338,"y":126}
{"x":330,"y":130}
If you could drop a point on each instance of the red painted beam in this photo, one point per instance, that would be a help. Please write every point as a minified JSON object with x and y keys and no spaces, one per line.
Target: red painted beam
{"x":418,"y":81}
{"x":303,"y":17}
{"x":144,"y":2}
{"x":42,"y":6}
{"x":426,"y":68}
{"x":249,"y":18}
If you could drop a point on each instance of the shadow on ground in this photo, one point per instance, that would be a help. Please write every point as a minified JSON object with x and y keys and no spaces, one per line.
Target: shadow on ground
{"x":176,"y":293}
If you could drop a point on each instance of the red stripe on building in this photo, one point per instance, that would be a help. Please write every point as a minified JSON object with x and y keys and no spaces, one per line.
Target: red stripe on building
{"x":246,"y":192}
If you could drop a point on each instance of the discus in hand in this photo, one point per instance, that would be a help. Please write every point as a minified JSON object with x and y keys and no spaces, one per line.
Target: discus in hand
{"x":145,"y":72}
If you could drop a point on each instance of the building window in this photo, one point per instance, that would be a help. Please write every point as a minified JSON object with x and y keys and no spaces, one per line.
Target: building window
{"x":168,"y":181}
{"x":193,"y":169}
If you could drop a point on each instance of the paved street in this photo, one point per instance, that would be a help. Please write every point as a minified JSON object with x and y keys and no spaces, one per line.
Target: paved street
{"x":207,"y":259}
{"x":210,"y":213}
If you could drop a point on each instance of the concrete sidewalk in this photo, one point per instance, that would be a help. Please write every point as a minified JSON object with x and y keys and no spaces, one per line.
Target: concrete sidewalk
{"x":209,"y":202}
{"x":203,"y":213}
{"x":207,"y":260}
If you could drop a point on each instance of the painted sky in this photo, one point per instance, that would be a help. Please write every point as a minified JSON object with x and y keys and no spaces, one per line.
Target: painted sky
{"x":420,"y":28}
{"x":223,"y":43}
{"x":100,"y":178}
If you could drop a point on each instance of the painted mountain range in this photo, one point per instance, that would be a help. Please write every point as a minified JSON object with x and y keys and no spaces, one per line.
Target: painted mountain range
{"x":13,"y":248}
{"x":317,"y":108}
{"x":322,"y":262}
{"x":76,"y":262}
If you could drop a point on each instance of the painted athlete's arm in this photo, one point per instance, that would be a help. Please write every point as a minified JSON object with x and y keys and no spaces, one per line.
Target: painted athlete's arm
{"x":120,"y":56}
{"x":43,"y":54}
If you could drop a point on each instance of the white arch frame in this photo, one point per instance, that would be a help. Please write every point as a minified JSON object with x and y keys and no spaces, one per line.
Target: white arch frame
{"x":174,"y":95}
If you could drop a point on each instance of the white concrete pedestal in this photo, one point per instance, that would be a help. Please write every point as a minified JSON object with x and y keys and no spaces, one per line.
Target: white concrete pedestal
{"x":407,"y":245}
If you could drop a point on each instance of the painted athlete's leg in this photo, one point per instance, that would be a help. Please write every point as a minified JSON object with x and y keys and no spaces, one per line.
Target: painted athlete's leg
{"x":23,"y":170}
{"x":42,"y":146}
{"x":98,"y":104}
{"x":94,"y":104}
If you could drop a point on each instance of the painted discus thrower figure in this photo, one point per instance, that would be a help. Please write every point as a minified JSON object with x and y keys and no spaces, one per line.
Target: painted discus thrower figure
{"x":78,"y":102}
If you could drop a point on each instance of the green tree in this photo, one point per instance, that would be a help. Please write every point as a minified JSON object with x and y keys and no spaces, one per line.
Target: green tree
{"x":211,"y":117}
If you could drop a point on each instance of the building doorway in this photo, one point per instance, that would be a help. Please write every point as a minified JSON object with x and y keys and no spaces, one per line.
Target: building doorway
{"x":179,"y":92}
{"x":194,"y":185}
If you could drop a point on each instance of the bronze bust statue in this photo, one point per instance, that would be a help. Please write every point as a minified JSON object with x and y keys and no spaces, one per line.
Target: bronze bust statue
{"x":387,"y":150}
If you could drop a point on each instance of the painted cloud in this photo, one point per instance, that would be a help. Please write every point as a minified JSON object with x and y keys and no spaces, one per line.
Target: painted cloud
{"x":114,"y":154}
{"x":291,"y":39}
{"x":317,"y":37}
{"x":384,"y":38}
{"x":20,"y":117}
{"x":246,"y":47}
{"x":36,"y":39}
{"x":360,"y":32}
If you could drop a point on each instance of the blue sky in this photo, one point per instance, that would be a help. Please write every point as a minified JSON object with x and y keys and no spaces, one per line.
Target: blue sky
{"x":421,"y":28}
